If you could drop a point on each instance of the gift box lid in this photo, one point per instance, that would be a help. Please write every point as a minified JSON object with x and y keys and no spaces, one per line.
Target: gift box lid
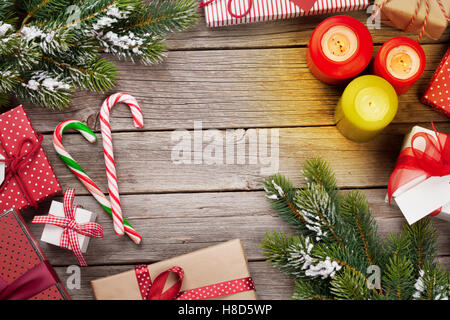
{"x":223,"y":262}
{"x":20,"y":252}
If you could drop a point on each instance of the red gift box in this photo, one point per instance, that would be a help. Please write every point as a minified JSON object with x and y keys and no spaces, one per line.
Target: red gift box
{"x":29,"y":177}
{"x":25,"y":273}
{"x":437,"y":95}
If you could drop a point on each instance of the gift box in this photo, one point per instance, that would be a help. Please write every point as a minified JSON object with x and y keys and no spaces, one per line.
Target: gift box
{"x":220,"y":271}
{"x":220,"y":13}
{"x":437,"y":94}
{"x":69,"y":226}
{"x":29,"y":178}
{"x":411,"y":16}
{"x":25,"y":273}
{"x":420,"y":183}
{"x":52,"y":233}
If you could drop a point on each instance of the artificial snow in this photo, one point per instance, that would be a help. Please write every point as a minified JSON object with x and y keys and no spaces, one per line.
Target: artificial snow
{"x":4,"y":28}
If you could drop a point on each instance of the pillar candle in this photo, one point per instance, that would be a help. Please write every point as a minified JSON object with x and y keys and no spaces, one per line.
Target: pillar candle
{"x":401,"y":61}
{"x":339,"y":49}
{"x":367,"y":106}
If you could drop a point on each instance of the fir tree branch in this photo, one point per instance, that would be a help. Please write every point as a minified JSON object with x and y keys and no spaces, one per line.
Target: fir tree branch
{"x":279,"y":189}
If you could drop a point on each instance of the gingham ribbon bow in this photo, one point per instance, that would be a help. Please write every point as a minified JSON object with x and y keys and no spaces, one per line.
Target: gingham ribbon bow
{"x":69,"y":237}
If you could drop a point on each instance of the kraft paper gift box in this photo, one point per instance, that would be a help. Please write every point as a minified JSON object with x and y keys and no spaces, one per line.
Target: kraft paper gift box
{"x":421,"y":196}
{"x":218,"y":15}
{"x":223,"y":262}
{"x":400,"y":13}
{"x":52,"y":234}
{"x":25,"y":273}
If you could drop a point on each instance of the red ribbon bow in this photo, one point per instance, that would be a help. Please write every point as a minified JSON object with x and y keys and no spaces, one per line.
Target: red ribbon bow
{"x":16,"y":163}
{"x":306,"y":5}
{"x":433,"y":161}
{"x":230,"y":10}
{"x":155,"y":290}
{"x":69,"y":237}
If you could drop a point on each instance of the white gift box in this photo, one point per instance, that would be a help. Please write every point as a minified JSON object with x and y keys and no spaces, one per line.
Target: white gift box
{"x":217,"y":14}
{"x":52,"y":234}
{"x":422,"y":196}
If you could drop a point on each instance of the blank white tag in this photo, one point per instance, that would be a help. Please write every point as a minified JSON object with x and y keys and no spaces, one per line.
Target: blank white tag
{"x":424,"y":198}
{"x":2,"y":169}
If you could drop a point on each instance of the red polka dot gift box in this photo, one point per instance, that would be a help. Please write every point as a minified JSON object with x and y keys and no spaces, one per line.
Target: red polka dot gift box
{"x":218,"y":272}
{"x":28,"y":177}
{"x":437,"y":94}
{"x":25,"y":273}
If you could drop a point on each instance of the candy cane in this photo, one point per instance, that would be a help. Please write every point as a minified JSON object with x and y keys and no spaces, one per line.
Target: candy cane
{"x":81,"y":174}
{"x":109,"y":154}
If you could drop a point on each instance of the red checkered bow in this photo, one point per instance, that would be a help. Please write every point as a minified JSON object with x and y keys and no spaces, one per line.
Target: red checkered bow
{"x":69,"y":237}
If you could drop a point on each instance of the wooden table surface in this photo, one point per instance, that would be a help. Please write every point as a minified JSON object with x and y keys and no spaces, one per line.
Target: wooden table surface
{"x":242,"y":77}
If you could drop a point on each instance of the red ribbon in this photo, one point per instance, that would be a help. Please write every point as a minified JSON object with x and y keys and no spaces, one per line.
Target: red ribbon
{"x":16,"y":163}
{"x":306,"y":5}
{"x":230,"y":10}
{"x":69,"y":237}
{"x":433,"y":161}
{"x":155,"y":290}
{"x":32,"y":282}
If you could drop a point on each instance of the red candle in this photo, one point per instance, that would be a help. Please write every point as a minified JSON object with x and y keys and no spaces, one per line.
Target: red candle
{"x":340,"y":48}
{"x":400,"y":61}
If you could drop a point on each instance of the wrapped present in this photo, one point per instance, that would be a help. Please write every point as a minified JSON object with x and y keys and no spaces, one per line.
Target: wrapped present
{"x":29,"y":177}
{"x":25,"y":273}
{"x":69,"y":227}
{"x":425,"y":17}
{"x":220,"y":13}
{"x":437,"y":94}
{"x":220,"y":271}
{"x":420,"y":182}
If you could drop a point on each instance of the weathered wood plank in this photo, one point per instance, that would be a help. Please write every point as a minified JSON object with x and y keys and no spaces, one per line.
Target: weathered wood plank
{"x":174,"y":224}
{"x":282,"y":33}
{"x":270,"y":283}
{"x":230,"y":89}
{"x":144,"y":159}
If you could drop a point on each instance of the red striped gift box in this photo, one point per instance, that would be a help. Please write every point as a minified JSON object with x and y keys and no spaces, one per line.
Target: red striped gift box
{"x":219,"y":13}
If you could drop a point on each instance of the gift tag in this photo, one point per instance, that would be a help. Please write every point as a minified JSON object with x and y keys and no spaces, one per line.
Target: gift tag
{"x":423,"y":199}
{"x":2,"y":169}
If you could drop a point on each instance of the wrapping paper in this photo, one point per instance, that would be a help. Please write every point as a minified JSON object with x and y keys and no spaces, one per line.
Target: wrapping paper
{"x":410,"y":179}
{"x":38,"y":175}
{"x":219,"y":263}
{"x":20,"y":252}
{"x":437,"y":94}
{"x":217,"y":14}
{"x":398,"y":13}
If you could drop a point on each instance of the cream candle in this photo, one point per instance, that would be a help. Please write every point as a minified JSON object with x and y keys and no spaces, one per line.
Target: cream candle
{"x":339,"y":49}
{"x":401,"y":61}
{"x":367,"y":106}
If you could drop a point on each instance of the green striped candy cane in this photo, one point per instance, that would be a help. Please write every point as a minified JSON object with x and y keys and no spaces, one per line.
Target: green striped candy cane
{"x":81,"y":174}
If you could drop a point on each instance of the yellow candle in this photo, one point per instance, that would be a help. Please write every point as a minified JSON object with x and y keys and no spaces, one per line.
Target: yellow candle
{"x":367,"y":106}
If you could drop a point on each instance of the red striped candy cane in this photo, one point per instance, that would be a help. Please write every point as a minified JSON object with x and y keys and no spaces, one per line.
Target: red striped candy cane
{"x":109,"y":154}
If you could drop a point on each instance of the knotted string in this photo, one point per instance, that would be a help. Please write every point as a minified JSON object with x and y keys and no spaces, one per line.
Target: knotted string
{"x":16,"y":162}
